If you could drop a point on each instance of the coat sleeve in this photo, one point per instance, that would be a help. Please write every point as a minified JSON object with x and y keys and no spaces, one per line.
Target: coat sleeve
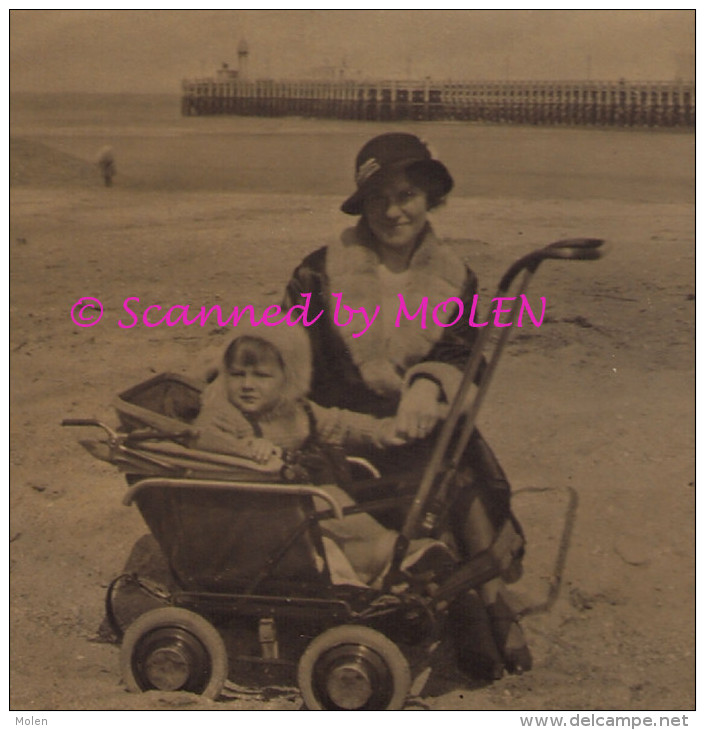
{"x":341,"y":427}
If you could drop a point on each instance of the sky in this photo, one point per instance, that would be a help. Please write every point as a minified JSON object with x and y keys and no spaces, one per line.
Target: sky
{"x":151,"y":51}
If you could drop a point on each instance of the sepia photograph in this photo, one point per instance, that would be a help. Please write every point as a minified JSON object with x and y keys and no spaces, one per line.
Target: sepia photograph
{"x":352,"y":362}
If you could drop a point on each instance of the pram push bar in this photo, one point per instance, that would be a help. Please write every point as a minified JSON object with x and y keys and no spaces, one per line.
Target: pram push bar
{"x":429,"y":505}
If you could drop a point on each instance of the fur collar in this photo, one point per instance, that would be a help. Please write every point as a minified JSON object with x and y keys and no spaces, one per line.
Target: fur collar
{"x":353,"y":270}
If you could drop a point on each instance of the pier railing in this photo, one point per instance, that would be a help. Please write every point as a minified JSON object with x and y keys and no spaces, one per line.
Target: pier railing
{"x":614,"y":103}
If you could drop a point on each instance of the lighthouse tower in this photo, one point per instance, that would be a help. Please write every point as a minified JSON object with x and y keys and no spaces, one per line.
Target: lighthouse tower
{"x":243,"y":52}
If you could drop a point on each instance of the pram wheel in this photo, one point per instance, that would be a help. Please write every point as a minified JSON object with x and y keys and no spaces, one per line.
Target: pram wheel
{"x":171,"y":649}
{"x":353,"y":668}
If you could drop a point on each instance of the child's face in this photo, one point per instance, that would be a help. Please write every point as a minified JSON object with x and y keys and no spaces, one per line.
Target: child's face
{"x":257,"y":388}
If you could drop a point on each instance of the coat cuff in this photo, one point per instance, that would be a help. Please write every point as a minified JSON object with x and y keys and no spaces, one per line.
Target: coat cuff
{"x":447,"y":377}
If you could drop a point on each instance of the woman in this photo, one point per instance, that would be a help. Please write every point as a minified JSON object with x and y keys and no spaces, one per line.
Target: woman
{"x":364,"y":362}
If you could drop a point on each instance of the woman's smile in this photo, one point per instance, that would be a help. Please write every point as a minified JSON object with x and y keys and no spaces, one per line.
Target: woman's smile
{"x":396,"y":212}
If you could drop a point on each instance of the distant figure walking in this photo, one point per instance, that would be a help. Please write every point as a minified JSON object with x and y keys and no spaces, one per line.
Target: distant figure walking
{"x":106,"y":163}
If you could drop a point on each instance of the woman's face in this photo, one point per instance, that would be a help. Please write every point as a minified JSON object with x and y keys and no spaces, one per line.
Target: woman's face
{"x":395,"y":211}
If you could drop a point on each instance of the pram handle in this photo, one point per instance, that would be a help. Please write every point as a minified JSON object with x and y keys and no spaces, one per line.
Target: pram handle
{"x":441,"y":467}
{"x":90,"y":422}
{"x":80,"y":422}
{"x":576,"y":249}
{"x":298,"y":489}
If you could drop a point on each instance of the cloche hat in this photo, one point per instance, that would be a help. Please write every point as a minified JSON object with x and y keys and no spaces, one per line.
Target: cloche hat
{"x":394,"y":151}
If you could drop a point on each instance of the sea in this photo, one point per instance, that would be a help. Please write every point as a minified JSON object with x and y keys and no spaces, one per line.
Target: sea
{"x":159,"y":149}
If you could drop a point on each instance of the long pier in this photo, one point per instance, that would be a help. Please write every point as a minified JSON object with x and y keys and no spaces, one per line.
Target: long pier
{"x":589,"y":103}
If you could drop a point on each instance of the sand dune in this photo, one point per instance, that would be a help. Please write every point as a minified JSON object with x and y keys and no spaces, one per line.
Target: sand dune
{"x":34,"y":163}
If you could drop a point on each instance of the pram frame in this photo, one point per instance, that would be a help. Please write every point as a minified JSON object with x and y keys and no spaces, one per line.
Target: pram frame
{"x":425,"y":516}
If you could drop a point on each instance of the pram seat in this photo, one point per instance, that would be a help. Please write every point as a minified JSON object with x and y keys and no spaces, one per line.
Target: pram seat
{"x":261,"y":523}
{"x":236,"y":540}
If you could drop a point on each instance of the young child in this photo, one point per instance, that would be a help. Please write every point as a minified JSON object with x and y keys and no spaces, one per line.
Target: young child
{"x":256,"y":407}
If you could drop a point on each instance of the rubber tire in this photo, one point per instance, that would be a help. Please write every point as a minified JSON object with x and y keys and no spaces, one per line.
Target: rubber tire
{"x":202,"y":629}
{"x":349,"y":634}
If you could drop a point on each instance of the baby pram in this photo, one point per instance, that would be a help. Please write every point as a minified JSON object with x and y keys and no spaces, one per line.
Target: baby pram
{"x":244,"y":543}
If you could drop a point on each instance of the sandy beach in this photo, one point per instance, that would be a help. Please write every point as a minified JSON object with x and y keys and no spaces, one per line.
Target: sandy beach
{"x":599,"y":399}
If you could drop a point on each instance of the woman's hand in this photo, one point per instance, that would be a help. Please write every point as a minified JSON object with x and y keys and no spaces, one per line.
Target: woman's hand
{"x":419,"y":410}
